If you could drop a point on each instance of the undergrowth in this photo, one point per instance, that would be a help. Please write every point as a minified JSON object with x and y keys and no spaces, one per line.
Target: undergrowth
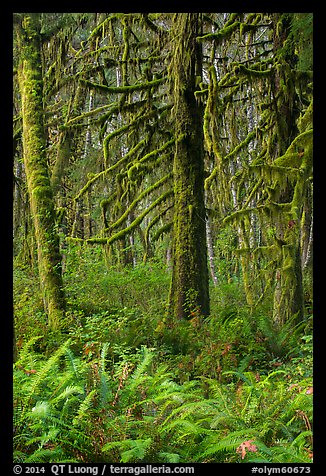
{"x":124,"y":382}
{"x":131,"y":409}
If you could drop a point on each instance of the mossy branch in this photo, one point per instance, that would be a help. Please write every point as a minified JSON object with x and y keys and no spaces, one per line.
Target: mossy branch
{"x":111,"y":168}
{"x":139,"y":199}
{"x":120,"y":234}
{"x":123,"y":89}
{"x":161,"y":231}
{"x":239,"y":215}
{"x":114,"y":108}
{"x":231,"y":26}
{"x":237,"y":149}
{"x":154,"y":222}
{"x":294,"y":159}
{"x":93,"y":112}
{"x":134,"y":167}
{"x":130,"y":125}
{"x":221,"y":34}
{"x":253,"y":73}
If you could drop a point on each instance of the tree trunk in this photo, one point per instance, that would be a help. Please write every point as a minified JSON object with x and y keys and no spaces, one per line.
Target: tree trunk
{"x":37,"y":174}
{"x":288,"y":295}
{"x":189,"y":295}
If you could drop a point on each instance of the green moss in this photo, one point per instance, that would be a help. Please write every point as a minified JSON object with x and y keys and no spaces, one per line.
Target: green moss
{"x":251,"y":72}
{"x":140,"y":197}
{"x":36,"y":169}
{"x":123,"y":89}
{"x":305,"y":120}
{"x":139,"y":164}
{"x":222,"y":33}
{"x":189,"y":285}
{"x":134,"y":223}
{"x":166,"y":228}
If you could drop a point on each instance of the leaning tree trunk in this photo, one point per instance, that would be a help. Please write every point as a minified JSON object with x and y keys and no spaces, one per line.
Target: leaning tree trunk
{"x":189,"y":294}
{"x":37,"y":174}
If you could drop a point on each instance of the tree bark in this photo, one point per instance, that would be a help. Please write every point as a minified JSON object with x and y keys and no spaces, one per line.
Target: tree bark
{"x":37,"y":174}
{"x":288,"y":294}
{"x":189,"y":294}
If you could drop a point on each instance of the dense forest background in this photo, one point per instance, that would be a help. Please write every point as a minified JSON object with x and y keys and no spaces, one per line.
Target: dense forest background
{"x":163,"y":237}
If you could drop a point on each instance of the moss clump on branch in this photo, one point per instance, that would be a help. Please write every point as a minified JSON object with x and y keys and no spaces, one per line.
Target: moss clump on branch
{"x":123,"y":89}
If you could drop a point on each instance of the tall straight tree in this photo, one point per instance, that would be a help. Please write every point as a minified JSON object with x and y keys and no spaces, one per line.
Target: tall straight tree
{"x":288,"y":296}
{"x":189,"y":287}
{"x":36,"y":168}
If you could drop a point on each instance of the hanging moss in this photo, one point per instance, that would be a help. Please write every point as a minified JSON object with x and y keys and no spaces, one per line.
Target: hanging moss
{"x":152,"y":223}
{"x":253,"y":73}
{"x":137,"y":166}
{"x":305,"y":120}
{"x":134,"y":123}
{"x":235,"y":151}
{"x":166,"y":228}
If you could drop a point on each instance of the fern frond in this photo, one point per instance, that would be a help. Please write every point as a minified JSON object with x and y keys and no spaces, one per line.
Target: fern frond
{"x":137,"y":451}
{"x":289,"y":454}
{"x":104,"y":352}
{"x":197,"y":408}
{"x":169,"y":457}
{"x":46,"y":368}
{"x":25,"y":353}
{"x":74,"y":364}
{"x":222,"y":420}
{"x":67,"y":392}
{"x":138,"y":376}
{"x":84,"y":407}
{"x":44,"y":455}
{"x":130,"y":450}
{"x":229,"y":444}
{"x":41,"y":410}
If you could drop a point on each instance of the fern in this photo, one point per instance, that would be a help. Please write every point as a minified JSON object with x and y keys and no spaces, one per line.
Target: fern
{"x":105,"y":390}
{"x":132,"y":410}
{"x":82,"y":412}
{"x":132,"y":450}
{"x":46,"y":369}
{"x":226,"y":447}
{"x":25,"y":354}
{"x":280,"y":340}
{"x":169,"y":457}
{"x":46,"y":403}
{"x":44,"y":455}
{"x":138,"y":375}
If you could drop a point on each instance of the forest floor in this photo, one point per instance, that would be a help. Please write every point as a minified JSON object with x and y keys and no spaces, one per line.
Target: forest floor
{"x":126,"y":383}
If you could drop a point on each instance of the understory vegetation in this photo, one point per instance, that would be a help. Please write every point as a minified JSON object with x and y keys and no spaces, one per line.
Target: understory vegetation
{"x":127,"y":383}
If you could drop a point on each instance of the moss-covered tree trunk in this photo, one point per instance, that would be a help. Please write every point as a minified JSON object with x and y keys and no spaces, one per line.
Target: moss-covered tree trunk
{"x":288,"y":295}
{"x":189,"y":289}
{"x":36,"y":169}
